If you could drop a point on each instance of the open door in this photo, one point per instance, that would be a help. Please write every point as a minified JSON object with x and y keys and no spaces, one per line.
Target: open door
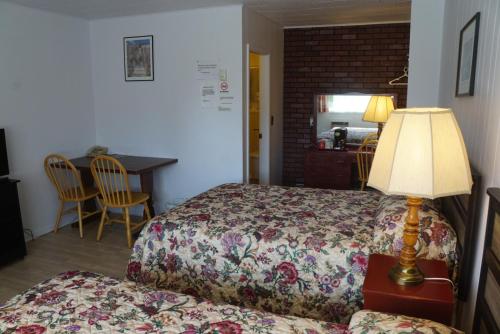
{"x":258,"y":118}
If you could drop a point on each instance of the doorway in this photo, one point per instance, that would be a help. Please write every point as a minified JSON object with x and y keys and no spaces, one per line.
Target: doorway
{"x":258,"y":118}
{"x":254,"y":118}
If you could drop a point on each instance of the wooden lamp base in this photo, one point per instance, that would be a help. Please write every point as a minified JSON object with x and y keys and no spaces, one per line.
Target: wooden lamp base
{"x":406,"y":276}
{"x":380,"y":128}
{"x":406,"y":271}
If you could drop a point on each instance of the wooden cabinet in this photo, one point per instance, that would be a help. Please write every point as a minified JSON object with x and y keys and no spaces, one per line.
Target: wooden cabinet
{"x":328,"y":169}
{"x":431,"y":300}
{"x":12,"y":244}
{"x":487,"y":317}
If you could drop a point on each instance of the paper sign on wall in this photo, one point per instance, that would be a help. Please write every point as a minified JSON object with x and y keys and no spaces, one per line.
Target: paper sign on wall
{"x":209,"y":95}
{"x":226,"y":99}
{"x":215,"y":88}
{"x":207,"y":71}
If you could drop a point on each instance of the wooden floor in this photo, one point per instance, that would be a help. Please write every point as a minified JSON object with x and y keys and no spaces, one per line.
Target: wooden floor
{"x":52,"y":254}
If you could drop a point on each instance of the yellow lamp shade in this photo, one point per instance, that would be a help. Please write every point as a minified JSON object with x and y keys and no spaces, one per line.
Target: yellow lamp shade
{"x":379,"y":108}
{"x":421,"y":153}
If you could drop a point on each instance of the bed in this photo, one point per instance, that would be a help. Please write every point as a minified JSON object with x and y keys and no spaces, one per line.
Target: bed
{"x":83,"y":302}
{"x":295,"y":251}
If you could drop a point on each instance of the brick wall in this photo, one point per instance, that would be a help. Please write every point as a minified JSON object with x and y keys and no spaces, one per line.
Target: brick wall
{"x":335,"y":60}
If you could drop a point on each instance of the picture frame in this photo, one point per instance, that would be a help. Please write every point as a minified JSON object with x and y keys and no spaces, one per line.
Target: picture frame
{"x":467,"y":57}
{"x":138,"y":54}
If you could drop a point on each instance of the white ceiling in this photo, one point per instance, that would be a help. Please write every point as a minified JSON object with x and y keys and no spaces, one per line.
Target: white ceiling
{"x":284,"y":12}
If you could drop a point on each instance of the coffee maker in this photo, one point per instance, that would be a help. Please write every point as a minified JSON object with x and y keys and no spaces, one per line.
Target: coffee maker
{"x":339,"y":139}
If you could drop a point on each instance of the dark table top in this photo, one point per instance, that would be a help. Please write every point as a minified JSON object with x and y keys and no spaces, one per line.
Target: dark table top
{"x":133,"y":164}
{"x":377,"y":280}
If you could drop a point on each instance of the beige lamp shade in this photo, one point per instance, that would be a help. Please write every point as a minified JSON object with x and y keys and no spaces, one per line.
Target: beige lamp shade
{"x":379,"y":108}
{"x":421,"y":153}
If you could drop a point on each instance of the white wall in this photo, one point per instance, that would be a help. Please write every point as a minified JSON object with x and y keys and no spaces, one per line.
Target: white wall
{"x":46,"y":100}
{"x":266,"y":37}
{"x":164,"y":117}
{"x":478,"y":116}
{"x":426,"y":37}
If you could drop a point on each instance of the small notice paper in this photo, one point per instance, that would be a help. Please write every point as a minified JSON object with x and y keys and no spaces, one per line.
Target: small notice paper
{"x":209,"y":95}
{"x":207,"y":71}
{"x":226,"y":99}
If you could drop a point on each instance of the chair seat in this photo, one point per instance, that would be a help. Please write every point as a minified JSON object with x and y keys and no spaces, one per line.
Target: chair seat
{"x":90,"y":192}
{"x":137,"y":198}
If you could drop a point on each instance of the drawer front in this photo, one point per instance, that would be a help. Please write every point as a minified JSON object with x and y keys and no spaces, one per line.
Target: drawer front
{"x":487,"y":315}
{"x":8,"y":194}
{"x":495,"y":242}
{"x":492,"y":297}
{"x":327,"y":169}
{"x":12,"y":236}
{"x":437,"y":311}
{"x":331,"y":156}
{"x":343,"y":183}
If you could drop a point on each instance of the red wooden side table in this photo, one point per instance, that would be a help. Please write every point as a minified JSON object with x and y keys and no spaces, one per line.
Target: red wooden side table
{"x":431,"y":300}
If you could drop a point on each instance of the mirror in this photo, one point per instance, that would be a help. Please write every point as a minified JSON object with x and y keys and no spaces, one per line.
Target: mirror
{"x":334,"y":111}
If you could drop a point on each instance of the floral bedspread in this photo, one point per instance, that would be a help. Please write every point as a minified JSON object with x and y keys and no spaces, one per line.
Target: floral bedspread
{"x":82,"y":302}
{"x":369,"y":322}
{"x":293,"y":251}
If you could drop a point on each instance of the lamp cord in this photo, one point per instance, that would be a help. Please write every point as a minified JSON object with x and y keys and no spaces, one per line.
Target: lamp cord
{"x":440,"y":279}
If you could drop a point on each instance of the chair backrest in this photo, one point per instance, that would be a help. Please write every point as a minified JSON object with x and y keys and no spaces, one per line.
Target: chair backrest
{"x":365,"y":156}
{"x":65,"y":177}
{"x":371,"y":136}
{"x":112,"y":180}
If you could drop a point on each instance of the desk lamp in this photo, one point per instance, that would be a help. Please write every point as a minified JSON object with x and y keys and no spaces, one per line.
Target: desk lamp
{"x":420,"y":154}
{"x":378,"y":110}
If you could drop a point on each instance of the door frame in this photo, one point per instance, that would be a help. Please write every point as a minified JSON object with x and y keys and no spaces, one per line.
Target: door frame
{"x":265,"y":117}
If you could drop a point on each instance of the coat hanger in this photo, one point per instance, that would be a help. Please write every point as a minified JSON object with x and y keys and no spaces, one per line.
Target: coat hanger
{"x":394,"y":82}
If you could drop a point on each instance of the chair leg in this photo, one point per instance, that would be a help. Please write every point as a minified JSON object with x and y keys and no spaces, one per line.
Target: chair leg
{"x":146,"y":208}
{"x":80,"y":221}
{"x":362,"y":185}
{"x":127,"y":225}
{"x":59,"y":216}
{"x":101,"y":224}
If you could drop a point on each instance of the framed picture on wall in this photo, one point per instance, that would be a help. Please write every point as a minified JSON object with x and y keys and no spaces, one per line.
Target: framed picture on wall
{"x":138,"y":58}
{"x":467,"y":54}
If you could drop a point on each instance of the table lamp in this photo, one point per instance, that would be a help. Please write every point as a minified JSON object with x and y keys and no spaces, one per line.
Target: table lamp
{"x":420,"y":154}
{"x":378,"y":110}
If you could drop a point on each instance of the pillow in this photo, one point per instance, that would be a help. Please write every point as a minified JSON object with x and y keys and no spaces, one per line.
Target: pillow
{"x":437,"y":239}
{"x":354,"y":135}
{"x":357,"y":135}
{"x":369,"y":322}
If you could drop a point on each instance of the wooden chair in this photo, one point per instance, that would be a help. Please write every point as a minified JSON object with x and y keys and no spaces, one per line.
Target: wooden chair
{"x":371,"y":136}
{"x":68,"y":183}
{"x":112,"y":180}
{"x":365,"y":156}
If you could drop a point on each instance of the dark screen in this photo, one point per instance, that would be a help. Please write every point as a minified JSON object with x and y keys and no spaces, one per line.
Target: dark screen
{"x":4,"y":164}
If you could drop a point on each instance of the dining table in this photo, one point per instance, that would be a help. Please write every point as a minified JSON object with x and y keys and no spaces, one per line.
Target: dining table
{"x":141,"y":166}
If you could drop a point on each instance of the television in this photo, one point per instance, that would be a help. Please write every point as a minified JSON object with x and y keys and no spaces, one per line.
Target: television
{"x":4,"y":163}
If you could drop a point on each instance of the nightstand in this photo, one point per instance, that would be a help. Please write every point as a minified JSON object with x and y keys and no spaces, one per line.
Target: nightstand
{"x":430,"y":300}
